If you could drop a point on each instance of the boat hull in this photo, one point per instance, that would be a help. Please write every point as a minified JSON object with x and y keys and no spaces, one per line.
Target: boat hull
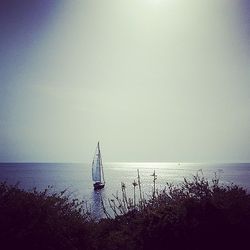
{"x":98,"y":185}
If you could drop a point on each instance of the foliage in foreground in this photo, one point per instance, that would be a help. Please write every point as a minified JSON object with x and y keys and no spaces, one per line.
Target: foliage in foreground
{"x":39,"y":220}
{"x":193,"y":215}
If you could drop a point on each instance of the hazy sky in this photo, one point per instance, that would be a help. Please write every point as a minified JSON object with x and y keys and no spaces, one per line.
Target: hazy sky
{"x":153,"y":80}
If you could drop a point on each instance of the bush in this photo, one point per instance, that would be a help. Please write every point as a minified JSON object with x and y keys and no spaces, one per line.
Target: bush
{"x":193,"y":215}
{"x":39,"y":220}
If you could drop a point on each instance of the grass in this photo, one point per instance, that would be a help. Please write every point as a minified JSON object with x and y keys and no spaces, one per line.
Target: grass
{"x":193,"y":215}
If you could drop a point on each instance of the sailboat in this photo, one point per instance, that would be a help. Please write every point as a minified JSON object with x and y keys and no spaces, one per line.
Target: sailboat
{"x":97,"y":169}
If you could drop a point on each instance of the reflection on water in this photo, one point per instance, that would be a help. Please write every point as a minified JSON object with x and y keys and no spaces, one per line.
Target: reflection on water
{"x":98,"y":196}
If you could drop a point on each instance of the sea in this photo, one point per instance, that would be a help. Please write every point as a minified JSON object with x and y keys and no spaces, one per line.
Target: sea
{"x":75,"y":178}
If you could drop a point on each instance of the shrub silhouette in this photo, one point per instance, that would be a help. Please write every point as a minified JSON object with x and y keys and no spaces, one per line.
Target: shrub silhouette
{"x":39,"y":220}
{"x":192,"y":215}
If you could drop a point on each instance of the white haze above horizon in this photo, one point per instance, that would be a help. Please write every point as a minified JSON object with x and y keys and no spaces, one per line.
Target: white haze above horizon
{"x":152,"y":80}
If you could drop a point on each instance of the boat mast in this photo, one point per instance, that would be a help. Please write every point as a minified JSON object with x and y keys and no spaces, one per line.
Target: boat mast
{"x":101,"y":166}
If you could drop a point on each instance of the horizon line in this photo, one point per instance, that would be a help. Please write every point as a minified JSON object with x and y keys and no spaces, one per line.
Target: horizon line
{"x":126,"y":162}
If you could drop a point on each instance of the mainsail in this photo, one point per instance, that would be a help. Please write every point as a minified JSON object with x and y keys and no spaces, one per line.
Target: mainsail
{"x":97,"y":168}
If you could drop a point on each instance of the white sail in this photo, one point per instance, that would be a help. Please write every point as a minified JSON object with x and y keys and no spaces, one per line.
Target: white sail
{"x":97,"y":170}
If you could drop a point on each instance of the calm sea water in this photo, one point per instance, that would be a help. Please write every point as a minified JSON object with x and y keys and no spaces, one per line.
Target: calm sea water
{"x":76,"y":178}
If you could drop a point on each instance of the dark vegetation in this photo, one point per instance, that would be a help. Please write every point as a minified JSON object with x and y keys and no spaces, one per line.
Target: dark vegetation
{"x":192,"y":215}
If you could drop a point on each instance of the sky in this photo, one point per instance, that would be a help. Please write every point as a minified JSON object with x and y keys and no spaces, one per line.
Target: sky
{"x":152,"y":80}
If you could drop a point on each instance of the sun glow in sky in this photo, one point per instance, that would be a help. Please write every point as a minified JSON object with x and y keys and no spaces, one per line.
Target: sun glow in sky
{"x":154,"y":1}
{"x":152,"y":80}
